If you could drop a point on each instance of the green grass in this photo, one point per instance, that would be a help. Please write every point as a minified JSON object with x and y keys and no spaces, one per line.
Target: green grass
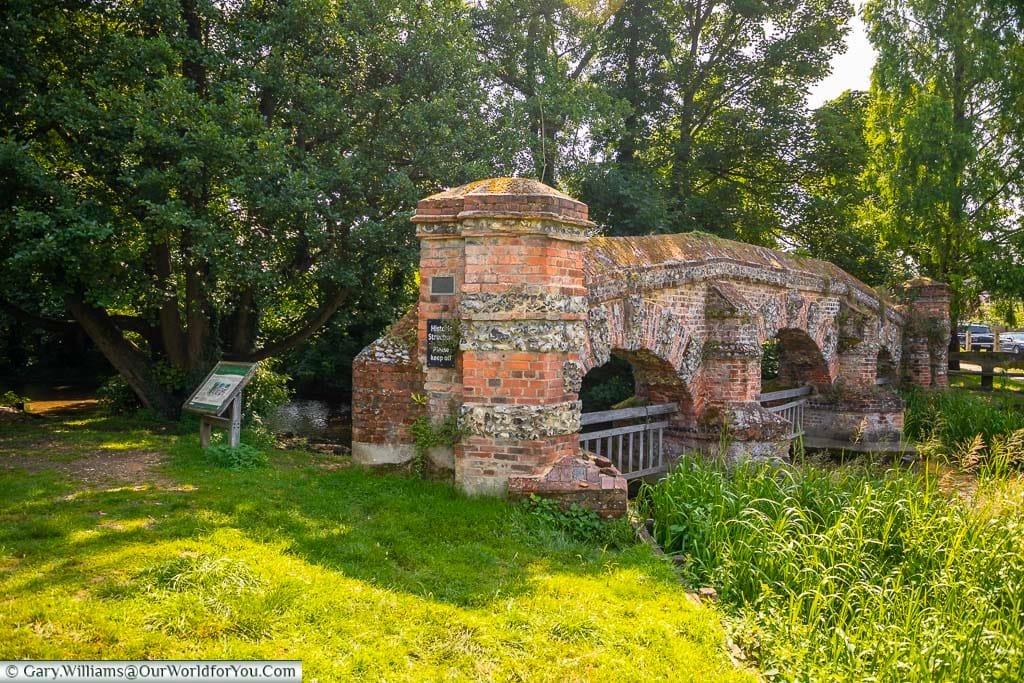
{"x":855,"y":573}
{"x":973,"y":431}
{"x":1000,"y":384}
{"x":362,"y":576}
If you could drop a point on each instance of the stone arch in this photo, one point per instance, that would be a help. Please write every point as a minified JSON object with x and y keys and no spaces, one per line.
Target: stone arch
{"x":657,"y":343}
{"x":887,"y":369}
{"x":816,"y":317}
{"x":801,"y":360}
{"x":632,"y":326}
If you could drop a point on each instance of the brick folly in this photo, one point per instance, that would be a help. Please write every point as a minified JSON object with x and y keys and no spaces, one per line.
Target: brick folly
{"x":529,"y":300}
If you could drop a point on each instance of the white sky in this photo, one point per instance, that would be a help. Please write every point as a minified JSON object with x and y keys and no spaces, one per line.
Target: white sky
{"x":850,"y":70}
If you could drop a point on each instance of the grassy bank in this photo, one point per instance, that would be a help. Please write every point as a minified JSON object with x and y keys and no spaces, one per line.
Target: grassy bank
{"x":976,"y":432}
{"x":118,"y":540}
{"x":855,"y":573}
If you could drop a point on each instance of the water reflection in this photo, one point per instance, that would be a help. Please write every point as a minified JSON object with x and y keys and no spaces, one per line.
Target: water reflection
{"x":314,"y":420}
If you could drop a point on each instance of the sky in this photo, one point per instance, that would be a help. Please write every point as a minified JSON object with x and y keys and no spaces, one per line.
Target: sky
{"x":850,"y":70}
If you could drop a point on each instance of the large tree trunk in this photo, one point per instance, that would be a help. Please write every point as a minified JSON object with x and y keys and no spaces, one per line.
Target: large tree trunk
{"x":126,"y":358}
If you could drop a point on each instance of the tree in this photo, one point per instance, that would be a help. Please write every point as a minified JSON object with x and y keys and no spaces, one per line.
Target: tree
{"x":947,"y":141}
{"x":714,"y":118}
{"x":537,"y":56}
{"x":188,"y":178}
{"x":830,"y":223}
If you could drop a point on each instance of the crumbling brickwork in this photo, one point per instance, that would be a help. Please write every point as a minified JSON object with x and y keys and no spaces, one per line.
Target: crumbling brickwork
{"x":536,"y":300}
{"x":385,"y":377}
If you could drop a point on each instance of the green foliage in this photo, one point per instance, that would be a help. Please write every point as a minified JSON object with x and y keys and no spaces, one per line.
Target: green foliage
{"x":607,"y":385}
{"x":242,"y":456}
{"x":580,"y":524}
{"x":9,"y":399}
{"x":706,"y":115}
{"x":117,"y":397}
{"x":946,"y":162}
{"x":851,"y":574}
{"x":428,"y":434}
{"x":266,"y":391}
{"x":537,"y":58}
{"x":189,"y":180}
{"x":831,"y":224}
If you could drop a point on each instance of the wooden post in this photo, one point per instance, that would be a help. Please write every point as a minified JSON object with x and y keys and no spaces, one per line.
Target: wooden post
{"x":204,"y":432}
{"x":967,"y":338}
{"x":236,"y":421}
{"x":995,"y":342}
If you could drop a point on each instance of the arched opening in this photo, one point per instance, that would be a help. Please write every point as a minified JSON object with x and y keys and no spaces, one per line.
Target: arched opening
{"x":607,"y":385}
{"x":885,"y":372}
{"x":627,"y":417}
{"x":792,"y":359}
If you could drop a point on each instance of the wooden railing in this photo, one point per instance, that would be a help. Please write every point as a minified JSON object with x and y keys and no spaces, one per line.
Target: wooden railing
{"x":792,"y":410}
{"x":636,"y":449}
{"x":992,"y":364}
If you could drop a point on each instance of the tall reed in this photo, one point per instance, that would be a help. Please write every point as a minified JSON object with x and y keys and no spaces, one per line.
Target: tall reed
{"x":852,"y":574}
{"x":976,"y":433}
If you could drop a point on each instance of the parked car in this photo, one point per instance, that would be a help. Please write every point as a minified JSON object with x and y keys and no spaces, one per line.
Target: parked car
{"x":981,"y":337}
{"x":1012,"y":342}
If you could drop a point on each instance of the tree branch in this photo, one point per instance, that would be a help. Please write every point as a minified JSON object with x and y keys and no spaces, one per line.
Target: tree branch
{"x":26,"y":317}
{"x":315,"y":322}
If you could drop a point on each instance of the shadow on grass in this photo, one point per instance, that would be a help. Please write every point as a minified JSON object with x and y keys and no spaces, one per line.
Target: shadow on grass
{"x":392,"y":531}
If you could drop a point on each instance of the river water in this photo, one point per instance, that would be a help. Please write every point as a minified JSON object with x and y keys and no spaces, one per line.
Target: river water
{"x":317,"y":421}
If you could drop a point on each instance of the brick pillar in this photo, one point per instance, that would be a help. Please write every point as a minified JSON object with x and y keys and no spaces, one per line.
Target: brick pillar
{"x":733,"y":418}
{"x":515,"y":248}
{"x":926,"y":333}
{"x":857,"y":349}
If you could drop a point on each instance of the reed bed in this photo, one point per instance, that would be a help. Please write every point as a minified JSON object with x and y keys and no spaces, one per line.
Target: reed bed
{"x":853,"y":573}
{"x":981,"y":434}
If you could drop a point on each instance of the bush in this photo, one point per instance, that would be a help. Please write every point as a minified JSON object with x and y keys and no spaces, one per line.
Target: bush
{"x":266,"y":391}
{"x":9,"y":399}
{"x":854,"y":574}
{"x":244,"y":456}
{"x":607,"y":385}
{"x":117,"y":397}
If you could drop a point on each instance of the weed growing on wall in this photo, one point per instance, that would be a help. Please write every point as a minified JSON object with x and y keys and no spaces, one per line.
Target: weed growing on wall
{"x":428,"y":434}
{"x":580,"y":524}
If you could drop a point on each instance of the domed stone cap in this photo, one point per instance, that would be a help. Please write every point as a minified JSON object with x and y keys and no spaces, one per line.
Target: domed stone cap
{"x":520,"y":197}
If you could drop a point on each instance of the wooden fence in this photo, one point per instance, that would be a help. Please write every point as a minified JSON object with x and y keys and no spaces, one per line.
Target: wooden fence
{"x":789,"y":405}
{"x":636,"y":449}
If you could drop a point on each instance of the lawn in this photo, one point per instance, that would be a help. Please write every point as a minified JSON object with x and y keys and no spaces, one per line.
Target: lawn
{"x":118,"y":540}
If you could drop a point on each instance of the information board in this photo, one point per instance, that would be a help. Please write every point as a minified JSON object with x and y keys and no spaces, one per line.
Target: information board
{"x":218,"y":389}
{"x":440,"y":344}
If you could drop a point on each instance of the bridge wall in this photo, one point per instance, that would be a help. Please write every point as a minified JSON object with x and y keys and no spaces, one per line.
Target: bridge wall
{"x":536,"y":301}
